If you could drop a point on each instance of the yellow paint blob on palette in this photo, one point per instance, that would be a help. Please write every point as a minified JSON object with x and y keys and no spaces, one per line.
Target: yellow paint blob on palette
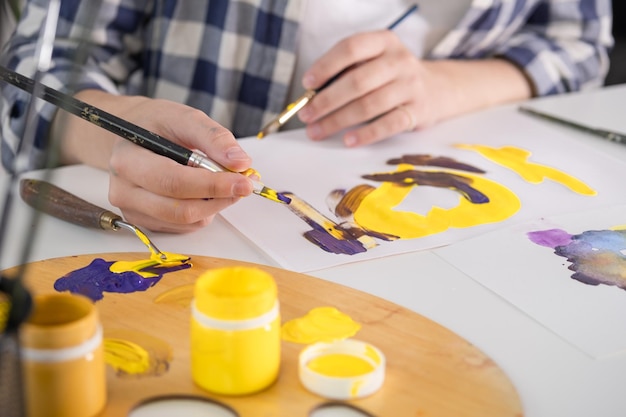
{"x":125,"y":356}
{"x":321,"y":324}
{"x":139,"y":267}
{"x":135,"y":353}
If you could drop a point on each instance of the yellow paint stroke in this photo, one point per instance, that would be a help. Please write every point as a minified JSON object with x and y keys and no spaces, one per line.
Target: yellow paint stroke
{"x":377,"y":210}
{"x":179,"y":296}
{"x":172,"y":259}
{"x":516,"y":159}
{"x":125,"y":356}
{"x":133,"y":353}
{"x":340,"y":365}
{"x":321,"y":324}
{"x":620,"y":227}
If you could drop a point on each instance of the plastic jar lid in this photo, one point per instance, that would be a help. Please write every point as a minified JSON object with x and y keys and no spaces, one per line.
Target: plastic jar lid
{"x":342,"y":370}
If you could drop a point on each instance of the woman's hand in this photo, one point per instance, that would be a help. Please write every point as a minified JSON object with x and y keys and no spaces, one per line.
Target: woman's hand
{"x":386,"y":90}
{"x":153,"y":191}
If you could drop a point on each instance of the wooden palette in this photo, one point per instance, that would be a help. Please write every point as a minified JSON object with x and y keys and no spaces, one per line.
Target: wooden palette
{"x":431,"y":371}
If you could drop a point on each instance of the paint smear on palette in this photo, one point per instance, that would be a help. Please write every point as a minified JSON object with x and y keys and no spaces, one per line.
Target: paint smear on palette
{"x":181,"y":296}
{"x":136,"y":354}
{"x":596,"y":256}
{"x":102,"y":276}
{"x":321,"y":324}
{"x":516,"y":159}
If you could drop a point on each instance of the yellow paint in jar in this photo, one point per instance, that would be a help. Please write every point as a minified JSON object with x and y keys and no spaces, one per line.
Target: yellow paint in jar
{"x":340,"y":365}
{"x":235,"y":331}
{"x":341,"y":370}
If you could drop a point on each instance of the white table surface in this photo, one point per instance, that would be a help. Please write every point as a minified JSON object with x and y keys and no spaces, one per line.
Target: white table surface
{"x":553,"y":378}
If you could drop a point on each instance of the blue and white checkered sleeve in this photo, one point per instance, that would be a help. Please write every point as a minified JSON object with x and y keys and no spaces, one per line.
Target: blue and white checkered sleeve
{"x":564,"y":45}
{"x":64,"y":75}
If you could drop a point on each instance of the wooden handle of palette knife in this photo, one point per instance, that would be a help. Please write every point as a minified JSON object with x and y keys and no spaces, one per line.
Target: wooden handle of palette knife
{"x":59,"y":203}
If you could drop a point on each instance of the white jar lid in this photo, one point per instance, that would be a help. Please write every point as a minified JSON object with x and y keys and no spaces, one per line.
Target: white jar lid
{"x":342,"y":370}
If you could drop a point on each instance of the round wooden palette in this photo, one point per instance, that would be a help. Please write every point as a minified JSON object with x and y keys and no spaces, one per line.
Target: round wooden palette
{"x":430,"y":370}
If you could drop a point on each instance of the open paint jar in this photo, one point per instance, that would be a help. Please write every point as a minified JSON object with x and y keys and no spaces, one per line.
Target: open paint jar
{"x":63,"y":359}
{"x":342,"y":370}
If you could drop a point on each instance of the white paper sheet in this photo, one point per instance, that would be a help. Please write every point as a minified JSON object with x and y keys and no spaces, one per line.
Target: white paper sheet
{"x":288,"y":161}
{"x":537,"y":281}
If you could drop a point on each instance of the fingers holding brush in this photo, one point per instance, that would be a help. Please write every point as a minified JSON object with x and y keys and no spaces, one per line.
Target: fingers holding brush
{"x":153,"y":184}
{"x":380,"y":92}
{"x":162,"y":195}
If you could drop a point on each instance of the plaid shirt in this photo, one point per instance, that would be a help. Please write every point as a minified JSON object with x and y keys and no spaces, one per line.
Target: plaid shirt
{"x":234,"y":59}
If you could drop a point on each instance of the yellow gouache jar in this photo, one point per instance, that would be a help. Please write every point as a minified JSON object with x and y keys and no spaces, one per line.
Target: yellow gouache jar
{"x":63,"y":359}
{"x":235,"y":331}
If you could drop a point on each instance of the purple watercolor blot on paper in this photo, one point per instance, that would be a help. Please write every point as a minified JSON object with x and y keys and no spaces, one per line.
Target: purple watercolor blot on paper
{"x":550,"y":238}
{"x":96,"y":278}
{"x":596,"y":256}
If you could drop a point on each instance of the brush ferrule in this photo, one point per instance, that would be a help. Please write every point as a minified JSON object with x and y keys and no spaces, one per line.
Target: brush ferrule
{"x":198,"y":160}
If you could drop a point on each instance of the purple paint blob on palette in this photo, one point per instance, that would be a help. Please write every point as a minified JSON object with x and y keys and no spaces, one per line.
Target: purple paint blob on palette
{"x":596,"y":256}
{"x":96,"y":278}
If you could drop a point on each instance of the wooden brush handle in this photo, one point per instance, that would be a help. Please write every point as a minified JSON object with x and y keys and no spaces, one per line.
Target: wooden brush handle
{"x":59,"y":203}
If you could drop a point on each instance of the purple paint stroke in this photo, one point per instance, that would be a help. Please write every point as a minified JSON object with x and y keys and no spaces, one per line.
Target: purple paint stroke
{"x":96,"y":278}
{"x":329,"y":243}
{"x":347,"y":244}
{"x":550,"y":238}
{"x":438,"y":161}
{"x":283,"y":198}
{"x":437,"y":179}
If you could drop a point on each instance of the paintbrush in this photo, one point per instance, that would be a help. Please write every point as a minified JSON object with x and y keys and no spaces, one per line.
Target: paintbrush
{"x":293,"y":108}
{"x":127,"y":130}
{"x":606,"y":134}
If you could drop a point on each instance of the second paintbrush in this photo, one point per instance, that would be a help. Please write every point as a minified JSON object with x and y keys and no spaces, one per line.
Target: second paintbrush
{"x":127,"y":130}
{"x":293,"y":108}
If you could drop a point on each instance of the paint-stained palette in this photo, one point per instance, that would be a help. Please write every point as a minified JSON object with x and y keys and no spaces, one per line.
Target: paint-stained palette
{"x":430,"y":370}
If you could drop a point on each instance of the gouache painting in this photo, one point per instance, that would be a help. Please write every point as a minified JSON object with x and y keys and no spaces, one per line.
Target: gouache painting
{"x":566,"y":272}
{"x":409,"y":193}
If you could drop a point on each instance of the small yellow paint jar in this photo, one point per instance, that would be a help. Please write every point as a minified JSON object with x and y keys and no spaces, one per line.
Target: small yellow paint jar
{"x":342,"y":370}
{"x":235,"y":331}
{"x":63,"y":359}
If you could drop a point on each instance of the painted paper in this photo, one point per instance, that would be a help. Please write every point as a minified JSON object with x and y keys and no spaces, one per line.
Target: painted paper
{"x":566,"y":272}
{"x":419,"y":190}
